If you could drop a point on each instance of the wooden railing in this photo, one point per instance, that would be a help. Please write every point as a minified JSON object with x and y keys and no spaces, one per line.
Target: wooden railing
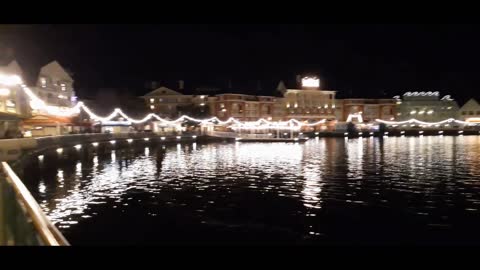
{"x":22,"y":221}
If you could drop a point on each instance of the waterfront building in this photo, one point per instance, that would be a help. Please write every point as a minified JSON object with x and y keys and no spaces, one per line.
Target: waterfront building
{"x":54,"y":86}
{"x":246,"y":107}
{"x":470,"y":111}
{"x":167,"y":102}
{"x":13,"y":102}
{"x":370,"y":109}
{"x":309,"y":102}
{"x":425,"y":106}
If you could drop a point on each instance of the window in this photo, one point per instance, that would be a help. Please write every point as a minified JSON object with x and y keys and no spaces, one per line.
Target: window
{"x":331,"y":96}
{"x":152,"y":100}
{"x":43,"y":82}
{"x":478,"y":112}
{"x":63,"y":86}
{"x":152,"y":107}
{"x":464,"y":113}
{"x":470,"y":112}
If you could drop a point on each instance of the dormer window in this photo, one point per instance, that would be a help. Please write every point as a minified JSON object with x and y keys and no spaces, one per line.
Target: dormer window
{"x":63,"y":86}
{"x":43,"y":82}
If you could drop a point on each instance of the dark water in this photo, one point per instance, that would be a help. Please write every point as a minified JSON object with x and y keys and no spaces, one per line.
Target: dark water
{"x":326,"y":191}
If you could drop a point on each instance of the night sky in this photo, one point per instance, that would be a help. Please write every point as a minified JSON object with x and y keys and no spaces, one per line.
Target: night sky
{"x":356,"y":60}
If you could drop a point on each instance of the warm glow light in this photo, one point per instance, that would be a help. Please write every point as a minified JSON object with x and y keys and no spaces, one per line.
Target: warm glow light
{"x":4,"y":91}
{"x":129,"y":140}
{"x":310,"y":82}
{"x":78,"y":146}
{"x":194,"y":136}
{"x":112,"y":142}
{"x":59,"y":150}
{"x":95,"y":144}
{"x":146,"y":139}
{"x":162,"y":138}
{"x":178,"y":137}
{"x":40,"y":157}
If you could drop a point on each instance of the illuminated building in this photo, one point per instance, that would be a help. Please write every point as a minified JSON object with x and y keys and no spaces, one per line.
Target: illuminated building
{"x":55,"y":86}
{"x":166,"y":102}
{"x":426,"y":106}
{"x":370,"y":109}
{"x":13,"y":102}
{"x":470,"y":111}
{"x":246,"y":107}
{"x":309,"y":102}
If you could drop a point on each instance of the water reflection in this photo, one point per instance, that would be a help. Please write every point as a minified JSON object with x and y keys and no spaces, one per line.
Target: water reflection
{"x":294,"y":190}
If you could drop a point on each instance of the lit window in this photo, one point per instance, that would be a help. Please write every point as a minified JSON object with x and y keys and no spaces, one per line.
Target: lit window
{"x":43,"y":82}
{"x":152,"y":100}
{"x":470,"y":112}
{"x":430,"y":112}
{"x":449,"y":108}
{"x":326,"y":106}
{"x":288,"y":105}
{"x":4,"y":91}
{"x":413,"y":112}
{"x":421,"y":112}
{"x":464,"y":113}
{"x":63,"y":86}
{"x":152,"y":107}
{"x":296,"y":105}
{"x":10,"y":103}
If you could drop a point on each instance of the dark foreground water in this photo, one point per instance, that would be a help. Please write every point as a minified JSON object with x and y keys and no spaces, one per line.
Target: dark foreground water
{"x":326,"y":191}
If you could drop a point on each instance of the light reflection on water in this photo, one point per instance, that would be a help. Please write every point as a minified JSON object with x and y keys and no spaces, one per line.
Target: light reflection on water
{"x":391,"y":189}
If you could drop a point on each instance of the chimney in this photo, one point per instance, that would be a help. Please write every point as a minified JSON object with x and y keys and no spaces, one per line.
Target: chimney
{"x":181,"y":84}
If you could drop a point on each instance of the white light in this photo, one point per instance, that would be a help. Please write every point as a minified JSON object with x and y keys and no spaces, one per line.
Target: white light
{"x":440,"y":132}
{"x":285,"y":133}
{"x":360,"y":133}
{"x":402,"y":132}
{"x":112,"y":141}
{"x":146,"y":139}
{"x":152,"y":107}
{"x":296,"y":139}
{"x":178,"y":137}
{"x":421,"y":112}
{"x":371,"y":133}
{"x":238,"y":139}
{"x":4,"y":91}
{"x":316,"y":133}
{"x":162,"y":138}
{"x":430,"y":112}
{"x":386,"y":133}
{"x":413,"y":112}
{"x":310,"y":82}
{"x":152,"y":100}
{"x":301,"y":133}
{"x":194,"y":136}
{"x":78,"y":146}
{"x":129,"y":140}
{"x":10,"y":80}
{"x":420,"y":132}
{"x":224,"y":110}
{"x":270,"y":134}
{"x":202,"y":104}
{"x":59,"y":150}
{"x":460,"y":132}
{"x":95,"y":144}
{"x":40,"y":157}
{"x":346,"y":133}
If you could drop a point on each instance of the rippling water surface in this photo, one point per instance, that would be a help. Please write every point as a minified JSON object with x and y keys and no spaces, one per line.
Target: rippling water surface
{"x":392,"y":190}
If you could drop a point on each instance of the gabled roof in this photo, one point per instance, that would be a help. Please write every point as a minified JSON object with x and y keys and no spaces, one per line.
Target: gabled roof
{"x":162,"y":91}
{"x":13,"y":68}
{"x":54,"y":69}
{"x":471,"y":104}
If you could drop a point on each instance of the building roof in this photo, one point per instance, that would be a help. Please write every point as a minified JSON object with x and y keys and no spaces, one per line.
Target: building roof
{"x":162,"y":91}
{"x":471,"y":104}
{"x":54,"y":69}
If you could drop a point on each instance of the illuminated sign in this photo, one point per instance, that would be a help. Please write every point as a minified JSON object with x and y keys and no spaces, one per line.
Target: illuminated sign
{"x":310,"y":82}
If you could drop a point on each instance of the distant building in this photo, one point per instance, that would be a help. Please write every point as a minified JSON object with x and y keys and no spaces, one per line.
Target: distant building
{"x":167,"y":102}
{"x":309,"y":102}
{"x":55,"y":86}
{"x":470,"y":111}
{"x":370,"y":109}
{"x":426,"y":106}
{"x":246,"y":107}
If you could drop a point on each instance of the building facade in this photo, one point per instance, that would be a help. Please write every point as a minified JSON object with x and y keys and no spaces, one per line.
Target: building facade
{"x":55,"y":86}
{"x":166,"y":102}
{"x":309,"y":102}
{"x":246,"y":107}
{"x":470,"y":112}
{"x":13,"y":101}
{"x":370,"y":109}
{"x":426,"y":106}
